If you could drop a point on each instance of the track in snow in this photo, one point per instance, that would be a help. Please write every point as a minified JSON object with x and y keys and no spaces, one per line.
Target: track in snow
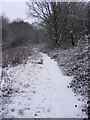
{"x":40,"y":91}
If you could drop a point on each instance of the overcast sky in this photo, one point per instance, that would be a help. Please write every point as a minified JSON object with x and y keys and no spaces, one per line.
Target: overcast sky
{"x":16,"y":9}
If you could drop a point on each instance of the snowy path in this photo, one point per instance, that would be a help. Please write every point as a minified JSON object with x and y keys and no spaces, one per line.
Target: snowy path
{"x":40,"y":91}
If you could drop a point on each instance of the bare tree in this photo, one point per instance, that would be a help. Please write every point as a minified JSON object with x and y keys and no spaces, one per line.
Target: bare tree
{"x":48,"y":12}
{"x":62,"y":20}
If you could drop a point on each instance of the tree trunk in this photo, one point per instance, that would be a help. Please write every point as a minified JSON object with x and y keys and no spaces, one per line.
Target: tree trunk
{"x":72,"y":38}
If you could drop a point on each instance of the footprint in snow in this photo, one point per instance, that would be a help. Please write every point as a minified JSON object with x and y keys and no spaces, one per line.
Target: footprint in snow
{"x":20,"y":83}
{"x":48,"y":110}
{"x":19,"y":103}
{"x":54,"y":89}
{"x":21,"y":112}
{"x":33,"y":91}
{"x":29,"y":98}
{"x":27,"y":108}
{"x":37,"y":111}
{"x":26,"y":86}
{"x":22,"y":91}
{"x":12,"y":110}
{"x":44,"y":98}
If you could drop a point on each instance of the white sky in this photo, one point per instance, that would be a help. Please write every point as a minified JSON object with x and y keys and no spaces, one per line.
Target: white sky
{"x":17,"y":9}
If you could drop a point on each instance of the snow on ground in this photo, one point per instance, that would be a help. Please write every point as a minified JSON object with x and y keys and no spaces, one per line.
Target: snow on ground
{"x":0,"y":96}
{"x":40,"y":91}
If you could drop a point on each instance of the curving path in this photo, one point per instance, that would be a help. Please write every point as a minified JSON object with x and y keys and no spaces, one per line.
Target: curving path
{"x":40,"y":91}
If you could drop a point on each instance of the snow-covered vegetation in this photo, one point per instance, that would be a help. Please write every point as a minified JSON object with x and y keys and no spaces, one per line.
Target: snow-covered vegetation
{"x":45,"y":65}
{"x":39,"y":90}
{"x":75,"y":62}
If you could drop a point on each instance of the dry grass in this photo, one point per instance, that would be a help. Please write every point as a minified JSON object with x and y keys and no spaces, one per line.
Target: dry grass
{"x":15,"y":56}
